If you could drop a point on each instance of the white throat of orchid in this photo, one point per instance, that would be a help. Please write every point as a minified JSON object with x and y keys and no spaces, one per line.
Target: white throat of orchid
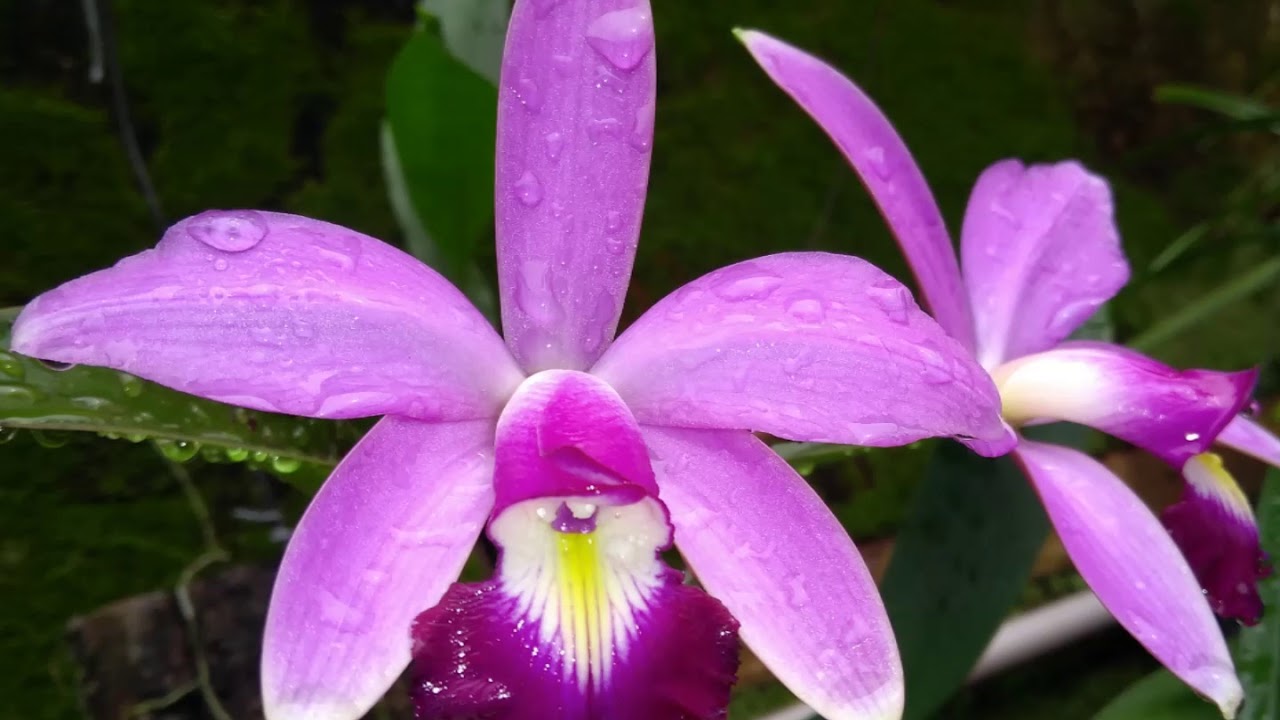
{"x":1049,"y":386}
{"x":582,"y":572}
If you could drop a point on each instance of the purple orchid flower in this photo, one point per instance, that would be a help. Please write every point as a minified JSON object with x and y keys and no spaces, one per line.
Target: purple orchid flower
{"x":583,"y":457}
{"x":1040,"y":254}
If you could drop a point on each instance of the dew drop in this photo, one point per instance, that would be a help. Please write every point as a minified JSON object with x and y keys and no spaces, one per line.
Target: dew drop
{"x":10,"y":366}
{"x":529,"y":94}
{"x":623,"y":37}
{"x":875,"y":156}
{"x":7,"y":434}
{"x":642,"y":129}
{"x":285,"y":465}
{"x":528,"y":189}
{"x":534,"y":295}
{"x":893,"y":299}
{"x":612,"y":220}
{"x":17,"y":396}
{"x":228,"y":230}
{"x":131,"y":385}
{"x":178,"y":450}
{"x":615,"y":246}
{"x":555,"y":145}
{"x":744,"y":282}
{"x":543,"y":8}
{"x":237,"y":454}
{"x":598,"y":130}
{"x":807,"y":310}
{"x":220,"y":264}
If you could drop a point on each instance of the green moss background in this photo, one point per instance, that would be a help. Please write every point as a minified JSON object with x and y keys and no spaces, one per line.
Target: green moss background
{"x":276,"y":104}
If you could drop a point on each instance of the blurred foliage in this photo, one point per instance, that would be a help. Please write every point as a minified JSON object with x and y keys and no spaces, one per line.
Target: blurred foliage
{"x":277,"y":103}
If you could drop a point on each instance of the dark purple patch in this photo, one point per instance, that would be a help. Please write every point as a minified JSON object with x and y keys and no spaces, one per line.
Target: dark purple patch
{"x":475,"y":658}
{"x":1224,"y":553}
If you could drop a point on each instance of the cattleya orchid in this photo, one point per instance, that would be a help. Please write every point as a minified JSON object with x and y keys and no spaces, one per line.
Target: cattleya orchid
{"x":1040,"y":254}
{"x":584,"y":456}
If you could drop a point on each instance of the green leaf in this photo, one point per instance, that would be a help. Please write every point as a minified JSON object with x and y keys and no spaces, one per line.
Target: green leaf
{"x":442,"y":117}
{"x":1235,"y":107}
{"x":960,"y":562}
{"x":50,"y":402}
{"x":1159,"y":696}
{"x":474,"y":31}
{"x":958,"y":566}
{"x":1258,"y":647}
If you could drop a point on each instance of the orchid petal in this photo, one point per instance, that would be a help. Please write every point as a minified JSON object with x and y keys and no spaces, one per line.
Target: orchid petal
{"x":1134,"y":567}
{"x":1251,"y":438}
{"x":575,"y":127}
{"x":567,"y":433}
{"x":1040,"y":253}
{"x":886,"y":168}
{"x":280,"y":313}
{"x":764,"y":544}
{"x":807,"y":346}
{"x":1173,"y":414}
{"x":1215,"y":528}
{"x":382,"y":541}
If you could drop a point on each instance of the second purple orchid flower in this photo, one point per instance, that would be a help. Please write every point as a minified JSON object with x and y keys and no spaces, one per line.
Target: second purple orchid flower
{"x":1040,"y":254}
{"x":582,"y":455}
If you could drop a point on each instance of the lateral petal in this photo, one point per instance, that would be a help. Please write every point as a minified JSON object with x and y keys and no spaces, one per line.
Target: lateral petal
{"x":764,"y":544}
{"x":1173,"y":414}
{"x":1134,"y":567}
{"x":880,"y":156}
{"x":281,"y":313}
{"x":807,"y":346}
{"x":382,"y":540}
{"x":575,"y":127}
{"x":1040,"y":252}
{"x":1251,"y":438}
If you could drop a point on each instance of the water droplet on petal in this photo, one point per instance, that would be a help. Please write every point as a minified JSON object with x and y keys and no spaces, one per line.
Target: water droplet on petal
{"x":875,"y":156}
{"x":543,"y":8}
{"x":237,"y":454}
{"x":529,"y":94}
{"x":623,"y":37}
{"x":598,"y":130}
{"x":642,"y":130}
{"x":534,"y":296}
{"x":807,"y":310}
{"x":220,"y":264}
{"x":228,"y":230}
{"x":555,"y":145}
{"x":528,"y":189}
{"x":745,"y":282}
{"x":894,"y":300}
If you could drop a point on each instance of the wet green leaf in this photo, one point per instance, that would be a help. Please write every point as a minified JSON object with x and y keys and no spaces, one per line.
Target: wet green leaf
{"x":1230,"y":105}
{"x":53,"y":403}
